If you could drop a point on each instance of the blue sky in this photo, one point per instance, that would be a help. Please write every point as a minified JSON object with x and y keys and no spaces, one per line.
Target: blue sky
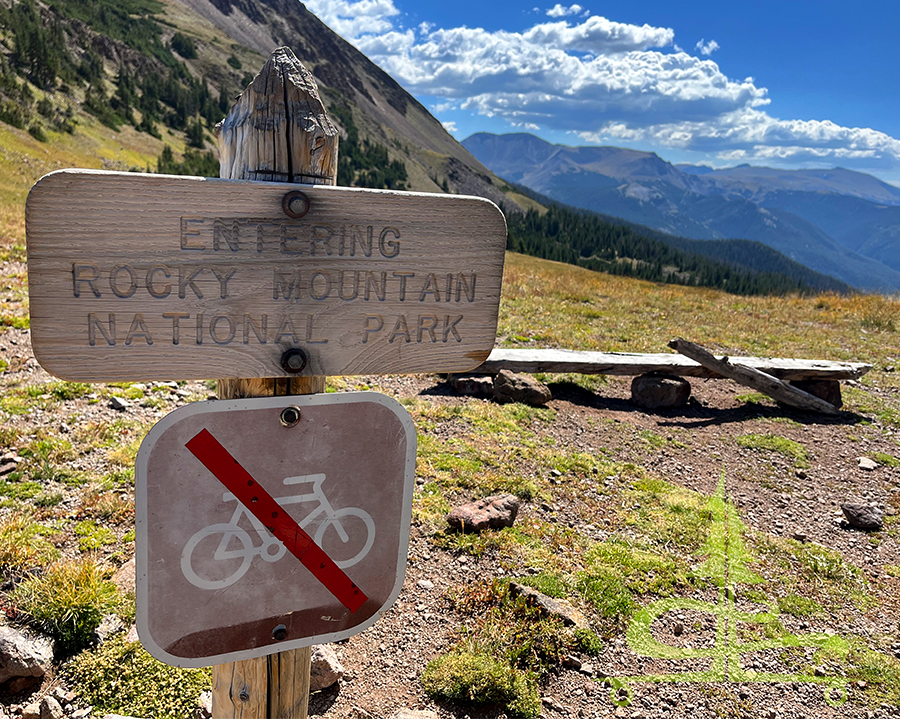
{"x":794,"y":83}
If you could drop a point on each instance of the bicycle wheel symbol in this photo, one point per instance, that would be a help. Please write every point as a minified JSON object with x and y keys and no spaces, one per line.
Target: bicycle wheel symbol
{"x":230,"y":564}
{"x":337,"y":544}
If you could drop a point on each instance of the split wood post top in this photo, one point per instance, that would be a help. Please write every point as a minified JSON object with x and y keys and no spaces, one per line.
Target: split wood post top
{"x":277,"y":131}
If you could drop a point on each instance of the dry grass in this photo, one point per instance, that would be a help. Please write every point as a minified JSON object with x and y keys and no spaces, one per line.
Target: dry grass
{"x":550,"y":304}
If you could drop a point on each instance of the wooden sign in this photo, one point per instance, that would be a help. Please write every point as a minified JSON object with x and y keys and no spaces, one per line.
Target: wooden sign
{"x":143,"y":277}
{"x":269,"y":524}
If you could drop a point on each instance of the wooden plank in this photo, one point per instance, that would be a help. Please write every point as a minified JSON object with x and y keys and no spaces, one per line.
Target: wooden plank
{"x":239,"y":690}
{"x":630,"y":364}
{"x":749,"y":377}
{"x":285,"y":103}
{"x":148,"y":277}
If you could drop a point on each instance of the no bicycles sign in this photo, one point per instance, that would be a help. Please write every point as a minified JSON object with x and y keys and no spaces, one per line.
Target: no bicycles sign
{"x":270,"y":524}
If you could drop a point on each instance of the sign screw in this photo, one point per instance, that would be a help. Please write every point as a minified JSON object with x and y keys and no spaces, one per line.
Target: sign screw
{"x":279,"y":633}
{"x":293,"y":361}
{"x":295,"y":204}
{"x":290,"y":416}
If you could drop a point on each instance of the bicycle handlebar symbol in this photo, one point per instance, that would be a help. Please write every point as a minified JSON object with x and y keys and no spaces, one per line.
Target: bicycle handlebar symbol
{"x":342,"y":544}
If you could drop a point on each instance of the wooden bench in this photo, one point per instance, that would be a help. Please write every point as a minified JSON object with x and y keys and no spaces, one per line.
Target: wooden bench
{"x":530,"y":361}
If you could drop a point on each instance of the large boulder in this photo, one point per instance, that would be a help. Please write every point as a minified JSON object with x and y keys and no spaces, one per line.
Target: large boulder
{"x":659,"y":391}
{"x":23,"y":655}
{"x":511,"y":387}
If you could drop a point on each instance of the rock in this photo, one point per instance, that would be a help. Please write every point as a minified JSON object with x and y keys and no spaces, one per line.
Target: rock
{"x":124,"y":577}
{"x":425,"y":584}
{"x":488,"y":513}
{"x":414,"y":714}
{"x":472,"y":385}
{"x":82,"y":713}
{"x":325,"y":669}
{"x":360,"y":713}
{"x":827,"y":389}
{"x":867,"y":464}
{"x":678,"y":629}
{"x":109,"y":625}
{"x":550,"y":606}
{"x":50,"y":708}
{"x":571,"y":662}
{"x":510,"y":387}
{"x":863,"y":516}
{"x":204,"y":706}
{"x":32,"y":711}
{"x":119,"y":403}
{"x":659,"y":391}
{"x":23,"y":655}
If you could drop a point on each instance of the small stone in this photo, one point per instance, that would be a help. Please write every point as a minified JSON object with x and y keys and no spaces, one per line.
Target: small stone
{"x":50,"y":708}
{"x":109,"y":625}
{"x":360,"y":713}
{"x":488,"y":513}
{"x":588,"y":670}
{"x":863,"y":516}
{"x":678,"y":629}
{"x":550,"y":606}
{"x":32,"y":711}
{"x":124,"y":577}
{"x":119,"y":403}
{"x":204,"y":706}
{"x":325,"y":669}
{"x":425,"y":584}
{"x":571,"y":662}
{"x":800,"y":474}
{"x":867,"y":464}
{"x":659,"y":391}
{"x":799,"y":536}
{"x":510,"y":387}
{"x":82,"y":713}
{"x":23,"y":655}
{"x":861,"y":684}
{"x":820,"y":672}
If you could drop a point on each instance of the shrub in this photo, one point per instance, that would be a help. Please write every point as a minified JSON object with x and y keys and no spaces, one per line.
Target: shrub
{"x":67,"y":601}
{"x":480,"y":679}
{"x":120,"y":677}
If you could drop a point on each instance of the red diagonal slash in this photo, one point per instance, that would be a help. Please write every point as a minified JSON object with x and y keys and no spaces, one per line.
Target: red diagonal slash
{"x":263,"y":506}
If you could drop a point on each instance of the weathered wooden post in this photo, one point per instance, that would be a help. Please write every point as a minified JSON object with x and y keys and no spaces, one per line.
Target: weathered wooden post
{"x":277,"y":131}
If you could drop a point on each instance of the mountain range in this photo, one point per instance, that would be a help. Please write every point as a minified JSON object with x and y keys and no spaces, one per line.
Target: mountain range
{"x":838,"y":222}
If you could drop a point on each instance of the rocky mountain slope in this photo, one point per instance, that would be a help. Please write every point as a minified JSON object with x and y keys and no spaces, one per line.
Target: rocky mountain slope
{"x":840,"y":223}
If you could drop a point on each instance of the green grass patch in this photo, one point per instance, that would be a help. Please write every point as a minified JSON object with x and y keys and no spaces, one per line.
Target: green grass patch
{"x":23,"y":543}
{"x":19,"y":322}
{"x":474,"y":677}
{"x":67,"y":601}
{"x":121,"y":677}
{"x":93,"y":536}
{"x":798,"y":606}
{"x":887,"y":460}
{"x":775,"y":443}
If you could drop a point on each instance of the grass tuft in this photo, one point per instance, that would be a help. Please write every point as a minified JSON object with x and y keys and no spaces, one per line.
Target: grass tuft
{"x":67,"y":601}
{"x":774,"y":443}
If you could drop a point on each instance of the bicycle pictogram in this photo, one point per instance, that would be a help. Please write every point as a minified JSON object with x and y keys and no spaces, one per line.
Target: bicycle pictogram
{"x":351,"y":538}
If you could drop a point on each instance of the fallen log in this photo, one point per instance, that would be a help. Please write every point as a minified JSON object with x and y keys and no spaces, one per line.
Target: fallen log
{"x":750,"y":377}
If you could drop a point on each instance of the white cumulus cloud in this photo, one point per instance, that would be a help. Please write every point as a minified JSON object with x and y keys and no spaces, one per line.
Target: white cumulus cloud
{"x":561,"y":11}
{"x":602,"y":80}
{"x":706,"y":48}
{"x":353,"y":18}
